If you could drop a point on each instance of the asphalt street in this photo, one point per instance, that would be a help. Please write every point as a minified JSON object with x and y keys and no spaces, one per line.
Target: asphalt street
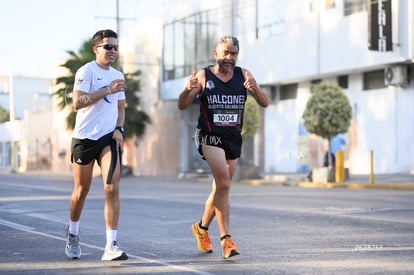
{"x":278,"y":229}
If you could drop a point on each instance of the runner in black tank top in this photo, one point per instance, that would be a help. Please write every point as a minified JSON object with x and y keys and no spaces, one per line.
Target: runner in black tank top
{"x":222,"y":104}
{"x":222,"y":90}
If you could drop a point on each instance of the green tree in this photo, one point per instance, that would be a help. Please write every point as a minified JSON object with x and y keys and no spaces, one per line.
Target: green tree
{"x":136,"y":120}
{"x":251,"y":122}
{"x":328,"y":112}
{"x":251,"y":119}
{"x":4,"y":115}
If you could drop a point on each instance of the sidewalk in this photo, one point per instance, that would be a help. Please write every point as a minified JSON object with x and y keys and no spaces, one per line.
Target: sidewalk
{"x":380,"y":181}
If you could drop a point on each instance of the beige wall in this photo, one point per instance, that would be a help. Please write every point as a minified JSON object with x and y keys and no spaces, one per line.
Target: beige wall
{"x":158,"y":151}
{"x":39,"y":149}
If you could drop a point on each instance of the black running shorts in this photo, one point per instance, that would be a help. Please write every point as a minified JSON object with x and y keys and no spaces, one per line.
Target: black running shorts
{"x":230,"y":144}
{"x":86,"y":150}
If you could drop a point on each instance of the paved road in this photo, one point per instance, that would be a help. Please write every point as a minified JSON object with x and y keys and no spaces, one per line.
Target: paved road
{"x":278,"y":229}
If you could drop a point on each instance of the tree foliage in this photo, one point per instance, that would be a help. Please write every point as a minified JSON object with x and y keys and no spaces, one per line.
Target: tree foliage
{"x":251,"y":118}
{"x":135,"y":119}
{"x":4,"y":115}
{"x":65,"y":83}
{"x":328,"y":111}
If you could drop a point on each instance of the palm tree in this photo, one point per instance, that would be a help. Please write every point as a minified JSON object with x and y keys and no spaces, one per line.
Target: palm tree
{"x":136,"y":120}
{"x":64,"y":93}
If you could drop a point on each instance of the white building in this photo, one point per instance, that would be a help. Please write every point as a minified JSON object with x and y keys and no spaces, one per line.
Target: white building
{"x":288,"y":45}
{"x":25,"y":141}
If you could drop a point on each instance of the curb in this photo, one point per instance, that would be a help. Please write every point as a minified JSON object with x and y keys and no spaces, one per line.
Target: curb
{"x":356,"y":185}
{"x":330,"y":185}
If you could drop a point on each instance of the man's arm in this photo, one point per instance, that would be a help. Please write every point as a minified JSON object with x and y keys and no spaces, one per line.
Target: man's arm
{"x":82,"y":99}
{"x":254,"y":89}
{"x":191,"y":90}
{"x":118,"y":135}
{"x":121,"y":113}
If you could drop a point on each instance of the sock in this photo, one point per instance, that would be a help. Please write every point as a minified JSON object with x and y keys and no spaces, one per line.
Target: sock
{"x":74,"y":228}
{"x":223,"y":237}
{"x":110,"y":237}
{"x":202,"y":228}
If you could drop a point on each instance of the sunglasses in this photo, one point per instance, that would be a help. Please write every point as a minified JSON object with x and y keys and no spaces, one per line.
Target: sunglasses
{"x":109,"y":47}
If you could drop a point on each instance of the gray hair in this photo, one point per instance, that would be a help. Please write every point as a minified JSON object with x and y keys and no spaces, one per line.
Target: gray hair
{"x":229,"y":38}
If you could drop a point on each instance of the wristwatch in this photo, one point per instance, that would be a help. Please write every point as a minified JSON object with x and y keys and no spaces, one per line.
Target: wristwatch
{"x":120,"y":128}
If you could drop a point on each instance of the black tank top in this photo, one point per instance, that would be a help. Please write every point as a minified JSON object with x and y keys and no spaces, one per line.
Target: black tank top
{"x":222,"y":104}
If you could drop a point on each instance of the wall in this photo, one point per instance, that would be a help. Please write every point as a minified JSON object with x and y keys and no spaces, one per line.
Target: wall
{"x":382,"y":120}
{"x":157,"y":152}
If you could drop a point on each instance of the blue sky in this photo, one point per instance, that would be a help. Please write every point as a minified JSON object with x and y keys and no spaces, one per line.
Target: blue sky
{"x":37,"y":34}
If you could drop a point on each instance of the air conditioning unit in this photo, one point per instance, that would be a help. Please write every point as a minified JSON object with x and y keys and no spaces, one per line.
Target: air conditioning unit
{"x":396,"y":75}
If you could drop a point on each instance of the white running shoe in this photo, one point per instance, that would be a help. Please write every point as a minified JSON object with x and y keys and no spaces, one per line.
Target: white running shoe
{"x":73,"y":249}
{"x":114,"y":253}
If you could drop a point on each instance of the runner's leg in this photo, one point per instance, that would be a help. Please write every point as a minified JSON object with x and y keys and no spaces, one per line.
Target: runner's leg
{"x":112,"y":202}
{"x":218,"y":201}
{"x":82,"y":181}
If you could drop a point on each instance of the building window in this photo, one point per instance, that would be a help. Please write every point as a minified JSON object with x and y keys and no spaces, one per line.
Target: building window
{"x":374,"y":80}
{"x":343,"y":81}
{"x":188,"y":43}
{"x":270,"y":19}
{"x":354,"y":6}
{"x":288,"y":91}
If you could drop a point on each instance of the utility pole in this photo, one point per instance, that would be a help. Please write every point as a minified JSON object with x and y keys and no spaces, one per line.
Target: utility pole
{"x":117,"y":30}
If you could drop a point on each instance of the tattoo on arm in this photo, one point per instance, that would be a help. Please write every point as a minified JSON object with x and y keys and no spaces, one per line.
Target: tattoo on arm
{"x":85,"y":99}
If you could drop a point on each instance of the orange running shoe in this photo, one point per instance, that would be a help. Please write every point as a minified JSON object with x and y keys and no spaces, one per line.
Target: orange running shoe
{"x":202,"y":238}
{"x":229,"y":248}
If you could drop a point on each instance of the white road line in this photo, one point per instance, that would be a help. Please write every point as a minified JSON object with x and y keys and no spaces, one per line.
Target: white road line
{"x":15,"y":225}
{"x":32,"y":231}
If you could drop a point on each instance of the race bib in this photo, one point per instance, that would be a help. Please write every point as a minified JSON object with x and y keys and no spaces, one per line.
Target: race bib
{"x":221,"y":118}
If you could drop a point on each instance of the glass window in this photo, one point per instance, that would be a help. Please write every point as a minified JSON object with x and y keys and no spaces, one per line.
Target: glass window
{"x":288,"y":91}
{"x":374,"y":80}
{"x":270,"y":18}
{"x":354,"y":6}
{"x":316,"y":81}
{"x":343,"y":81}
{"x":188,"y":44}
{"x":168,"y":53}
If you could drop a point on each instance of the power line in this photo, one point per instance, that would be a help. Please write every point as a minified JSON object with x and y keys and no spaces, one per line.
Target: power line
{"x":118,"y":28}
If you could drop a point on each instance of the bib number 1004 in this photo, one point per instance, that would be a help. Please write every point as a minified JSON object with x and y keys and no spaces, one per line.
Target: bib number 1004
{"x":225,"y":118}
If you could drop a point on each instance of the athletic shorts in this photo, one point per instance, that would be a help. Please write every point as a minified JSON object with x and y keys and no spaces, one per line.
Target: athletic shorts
{"x":230,"y":144}
{"x":86,"y":150}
